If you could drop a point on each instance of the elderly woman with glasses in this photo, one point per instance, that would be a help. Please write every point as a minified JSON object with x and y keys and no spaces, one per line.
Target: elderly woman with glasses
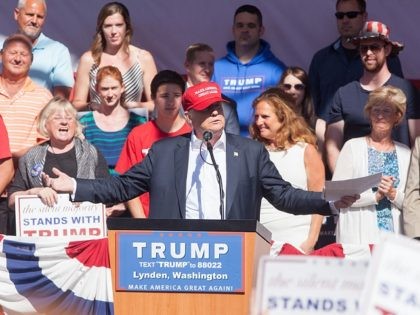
{"x":379,"y":208}
{"x":295,"y":81}
{"x":65,"y":149}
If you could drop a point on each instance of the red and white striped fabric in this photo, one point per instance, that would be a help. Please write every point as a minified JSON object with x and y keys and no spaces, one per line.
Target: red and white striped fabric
{"x":350,"y":251}
{"x":54,"y":276}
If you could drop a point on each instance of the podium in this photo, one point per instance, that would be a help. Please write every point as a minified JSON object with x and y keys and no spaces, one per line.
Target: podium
{"x":209,"y":241}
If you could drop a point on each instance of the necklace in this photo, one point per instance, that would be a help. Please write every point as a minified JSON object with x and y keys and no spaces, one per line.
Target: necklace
{"x":66,"y":148}
{"x":387,"y":147}
{"x":271,"y":149}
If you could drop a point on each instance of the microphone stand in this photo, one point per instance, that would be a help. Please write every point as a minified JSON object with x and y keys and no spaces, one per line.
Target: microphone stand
{"x":219,"y":180}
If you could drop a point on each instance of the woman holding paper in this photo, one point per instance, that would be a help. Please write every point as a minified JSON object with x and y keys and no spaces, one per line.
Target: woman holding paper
{"x":64,"y":149}
{"x":379,"y":208}
{"x":292,"y":148}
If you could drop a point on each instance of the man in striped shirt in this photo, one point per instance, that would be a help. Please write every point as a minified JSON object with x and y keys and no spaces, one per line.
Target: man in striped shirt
{"x":20,"y":102}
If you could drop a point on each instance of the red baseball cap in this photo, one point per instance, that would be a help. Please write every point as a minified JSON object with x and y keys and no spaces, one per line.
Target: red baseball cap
{"x":201,"y":96}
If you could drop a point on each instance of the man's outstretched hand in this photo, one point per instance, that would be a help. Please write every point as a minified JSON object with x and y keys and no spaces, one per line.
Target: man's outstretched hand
{"x":346,"y":201}
{"x":62,"y":183}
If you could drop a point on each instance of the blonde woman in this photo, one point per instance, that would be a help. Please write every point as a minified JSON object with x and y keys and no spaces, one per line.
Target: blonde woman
{"x":379,"y":208}
{"x":65,"y":149}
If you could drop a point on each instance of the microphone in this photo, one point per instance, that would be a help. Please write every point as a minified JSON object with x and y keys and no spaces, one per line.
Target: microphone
{"x":207,"y":136}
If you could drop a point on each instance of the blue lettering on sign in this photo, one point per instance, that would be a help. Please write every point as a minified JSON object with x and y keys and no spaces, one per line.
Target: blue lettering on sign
{"x":86,"y":219}
{"x":324,"y":305}
{"x":45,"y":221}
{"x":180,"y":261}
{"x":400,"y":294}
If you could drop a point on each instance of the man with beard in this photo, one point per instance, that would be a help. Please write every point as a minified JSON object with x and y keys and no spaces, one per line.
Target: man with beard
{"x":339,"y":63}
{"x":346,"y":118}
{"x":51,"y":66}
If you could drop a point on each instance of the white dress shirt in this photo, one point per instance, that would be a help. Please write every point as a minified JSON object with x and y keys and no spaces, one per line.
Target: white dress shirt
{"x":202,"y":193}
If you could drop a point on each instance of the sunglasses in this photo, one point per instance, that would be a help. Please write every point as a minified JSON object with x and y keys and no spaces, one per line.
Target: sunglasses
{"x":375,"y":48}
{"x":350,"y":14}
{"x":297,"y":87}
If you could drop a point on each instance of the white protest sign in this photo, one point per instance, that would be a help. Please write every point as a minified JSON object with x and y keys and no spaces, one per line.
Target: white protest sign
{"x":393,"y":280}
{"x":33,"y":218}
{"x":309,"y":285}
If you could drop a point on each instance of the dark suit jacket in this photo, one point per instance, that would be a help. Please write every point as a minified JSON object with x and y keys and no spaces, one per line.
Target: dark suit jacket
{"x":250,"y":176}
{"x":231,"y":116}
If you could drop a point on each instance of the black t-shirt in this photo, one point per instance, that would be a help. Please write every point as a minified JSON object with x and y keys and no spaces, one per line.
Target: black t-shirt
{"x":65,"y":162}
{"x":350,"y":100}
{"x":351,"y":53}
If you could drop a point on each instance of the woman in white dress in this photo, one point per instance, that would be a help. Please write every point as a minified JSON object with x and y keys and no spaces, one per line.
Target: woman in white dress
{"x":379,"y":208}
{"x":292,"y":148}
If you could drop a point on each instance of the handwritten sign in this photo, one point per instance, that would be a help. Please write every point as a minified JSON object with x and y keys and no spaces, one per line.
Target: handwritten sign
{"x":309,"y":285}
{"x":33,"y":218}
{"x":181,"y":261}
{"x":393,"y":281}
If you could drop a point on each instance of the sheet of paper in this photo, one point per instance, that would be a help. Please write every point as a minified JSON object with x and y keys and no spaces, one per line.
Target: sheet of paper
{"x":334,"y":190}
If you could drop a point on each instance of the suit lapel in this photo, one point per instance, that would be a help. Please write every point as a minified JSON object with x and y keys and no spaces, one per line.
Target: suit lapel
{"x":233,"y":167}
{"x":181,"y":168}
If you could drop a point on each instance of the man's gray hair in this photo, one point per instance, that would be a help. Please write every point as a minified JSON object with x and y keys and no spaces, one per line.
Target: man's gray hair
{"x":21,"y":4}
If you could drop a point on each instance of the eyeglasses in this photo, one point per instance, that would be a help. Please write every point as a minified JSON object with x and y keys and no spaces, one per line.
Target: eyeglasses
{"x":350,"y":14}
{"x":386,"y":112}
{"x":375,"y":48}
{"x":297,"y":87}
{"x":60,"y":118}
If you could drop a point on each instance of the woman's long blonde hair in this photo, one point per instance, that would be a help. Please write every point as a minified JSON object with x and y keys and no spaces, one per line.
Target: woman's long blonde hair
{"x":293,"y":128}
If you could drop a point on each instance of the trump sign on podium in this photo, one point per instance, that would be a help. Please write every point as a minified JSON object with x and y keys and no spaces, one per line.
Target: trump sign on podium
{"x":33,"y":218}
{"x":180,"y":261}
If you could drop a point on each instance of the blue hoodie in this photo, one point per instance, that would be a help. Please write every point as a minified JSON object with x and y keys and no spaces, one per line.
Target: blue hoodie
{"x":245,"y":82}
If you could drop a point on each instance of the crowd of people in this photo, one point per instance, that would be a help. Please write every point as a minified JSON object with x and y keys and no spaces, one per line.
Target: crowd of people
{"x":240,"y":137}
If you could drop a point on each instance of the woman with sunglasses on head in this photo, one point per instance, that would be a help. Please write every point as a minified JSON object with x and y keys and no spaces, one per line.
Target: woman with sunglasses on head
{"x":295,"y":81}
{"x":292,"y":148}
{"x":379,"y":208}
{"x":112,"y":46}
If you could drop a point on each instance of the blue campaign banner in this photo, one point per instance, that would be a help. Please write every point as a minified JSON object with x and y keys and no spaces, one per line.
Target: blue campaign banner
{"x":180,"y":261}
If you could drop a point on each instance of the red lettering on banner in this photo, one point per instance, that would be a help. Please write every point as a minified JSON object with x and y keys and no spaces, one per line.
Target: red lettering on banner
{"x":63,"y":232}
